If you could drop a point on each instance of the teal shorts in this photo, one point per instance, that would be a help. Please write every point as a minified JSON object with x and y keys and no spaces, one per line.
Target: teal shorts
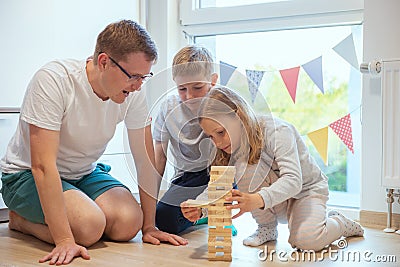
{"x":20,"y":194}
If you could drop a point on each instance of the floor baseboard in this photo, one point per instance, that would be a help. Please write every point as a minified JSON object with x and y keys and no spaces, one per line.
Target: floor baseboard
{"x":375,"y":218}
{"x":3,"y":215}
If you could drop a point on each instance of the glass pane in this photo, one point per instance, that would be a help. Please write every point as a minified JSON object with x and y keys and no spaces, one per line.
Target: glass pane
{"x":278,"y":50}
{"x":228,"y":3}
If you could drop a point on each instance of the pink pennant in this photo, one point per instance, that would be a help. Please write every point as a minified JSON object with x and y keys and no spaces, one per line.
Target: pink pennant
{"x":290,"y":77}
{"x":342,"y":128}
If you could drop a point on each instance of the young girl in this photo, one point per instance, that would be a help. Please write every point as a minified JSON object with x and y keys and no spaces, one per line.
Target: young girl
{"x":277,"y":178}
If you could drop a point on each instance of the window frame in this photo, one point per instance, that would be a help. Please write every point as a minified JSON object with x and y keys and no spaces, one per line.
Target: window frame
{"x":292,"y":14}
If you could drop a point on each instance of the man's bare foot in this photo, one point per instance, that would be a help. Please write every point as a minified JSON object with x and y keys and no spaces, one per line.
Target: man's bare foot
{"x":15,"y":221}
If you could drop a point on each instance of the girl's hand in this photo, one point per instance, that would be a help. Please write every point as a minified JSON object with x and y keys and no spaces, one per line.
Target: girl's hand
{"x":245,"y":202}
{"x":65,"y":252}
{"x":190,"y":213}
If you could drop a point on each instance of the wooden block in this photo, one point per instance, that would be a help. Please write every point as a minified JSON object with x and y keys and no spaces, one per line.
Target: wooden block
{"x":221,"y":206}
{"x":223,"y":168}
{"x":219,"y":231}
{"x":212,"y":196}
{"x":220,"y":216}
{"x":219,"y":239}
{"x":214,"y":219}
{"x":219,"y":224}
{"x":226,"y":243}
{"x":215,"y":231}
{"x":196,"y":203}
{"x":219,"y":172}
{"x":228,"y":177}
{"x":213,"y":249}
{"x":225,"y":179}
{"x":220,"y":257}
{"x":219,"y":187}
{"x":222,"y":175}
{"x":220,"y":212}
{"x":218,"y":203}
{"x":215,"y":206}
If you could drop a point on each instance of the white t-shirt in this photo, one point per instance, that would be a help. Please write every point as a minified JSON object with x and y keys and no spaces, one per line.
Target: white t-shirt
{"x":190,"y":148}
{"x":60,"y":98}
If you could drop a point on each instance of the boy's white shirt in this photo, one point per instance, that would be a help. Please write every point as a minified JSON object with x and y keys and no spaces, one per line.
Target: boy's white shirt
{"x":190,"y":148}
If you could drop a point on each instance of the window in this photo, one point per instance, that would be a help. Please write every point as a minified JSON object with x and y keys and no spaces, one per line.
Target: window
{"x":255,"y":46}
{"x":227,"y":3}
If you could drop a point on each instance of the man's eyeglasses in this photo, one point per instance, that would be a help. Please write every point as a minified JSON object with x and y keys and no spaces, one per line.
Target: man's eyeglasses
{"x":134,"y":77}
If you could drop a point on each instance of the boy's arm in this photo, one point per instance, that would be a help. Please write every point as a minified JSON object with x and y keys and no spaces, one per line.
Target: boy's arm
{"x":141,"y":145}
{"x":160,"y":156}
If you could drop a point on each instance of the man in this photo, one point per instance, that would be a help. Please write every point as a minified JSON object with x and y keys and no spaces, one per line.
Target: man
{"x":52,"y":184}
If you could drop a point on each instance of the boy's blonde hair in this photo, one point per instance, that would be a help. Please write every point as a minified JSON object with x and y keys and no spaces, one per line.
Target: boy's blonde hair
{"x":193,"y":59}
{"x":223,"y":101}
{"x":119,"y":39}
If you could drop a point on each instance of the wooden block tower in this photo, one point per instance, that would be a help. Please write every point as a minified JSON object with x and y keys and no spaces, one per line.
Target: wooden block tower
{"x":219,"y":235}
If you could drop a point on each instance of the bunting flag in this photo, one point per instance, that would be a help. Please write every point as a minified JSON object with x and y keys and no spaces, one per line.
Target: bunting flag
{"x":254,"y":78}
{"x":290,"y":77}
{"x":342,"y":128}
{"x":320,"y":140}
{"x":313,"y":68}
{"x":314,"y":71}
{"x":225,"y":72}
{"x":347,"y":51}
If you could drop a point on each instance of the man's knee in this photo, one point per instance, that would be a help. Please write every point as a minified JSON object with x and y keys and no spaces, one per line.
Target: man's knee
{"x":89,"y":228}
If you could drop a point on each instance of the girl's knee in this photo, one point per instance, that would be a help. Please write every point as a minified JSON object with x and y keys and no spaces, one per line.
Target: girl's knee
{"x":314,"y":245}
{"x":308,"y":240}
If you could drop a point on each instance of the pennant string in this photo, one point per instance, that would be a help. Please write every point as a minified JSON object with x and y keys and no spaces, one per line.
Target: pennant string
{"x":353,"y":111}
{"x":342,"y":127}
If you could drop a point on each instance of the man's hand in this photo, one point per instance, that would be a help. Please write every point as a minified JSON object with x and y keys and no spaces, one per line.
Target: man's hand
{"x":245,"y":202}
{"x":65,"y":252}
{"x":154,"y":236}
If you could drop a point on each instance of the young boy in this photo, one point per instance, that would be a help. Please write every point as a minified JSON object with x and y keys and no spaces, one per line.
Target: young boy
{"x":177,"y":125}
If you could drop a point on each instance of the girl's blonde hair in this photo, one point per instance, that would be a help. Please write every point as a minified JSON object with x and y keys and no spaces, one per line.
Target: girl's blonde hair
{"x":223,"y":101}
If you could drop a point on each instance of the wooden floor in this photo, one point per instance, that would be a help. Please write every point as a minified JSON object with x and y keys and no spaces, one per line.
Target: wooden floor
{"x":17,"y":249}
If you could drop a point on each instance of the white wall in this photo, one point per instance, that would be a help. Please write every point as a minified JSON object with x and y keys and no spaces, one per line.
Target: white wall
{"x":163,"y":25}
{"x":35,"y":32}
{"x":162,"y":22}
{"x":381,"y":41}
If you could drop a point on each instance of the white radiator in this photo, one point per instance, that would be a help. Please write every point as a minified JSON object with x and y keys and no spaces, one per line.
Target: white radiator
{"x":389,"y":70}
{"x":390,"y":81}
